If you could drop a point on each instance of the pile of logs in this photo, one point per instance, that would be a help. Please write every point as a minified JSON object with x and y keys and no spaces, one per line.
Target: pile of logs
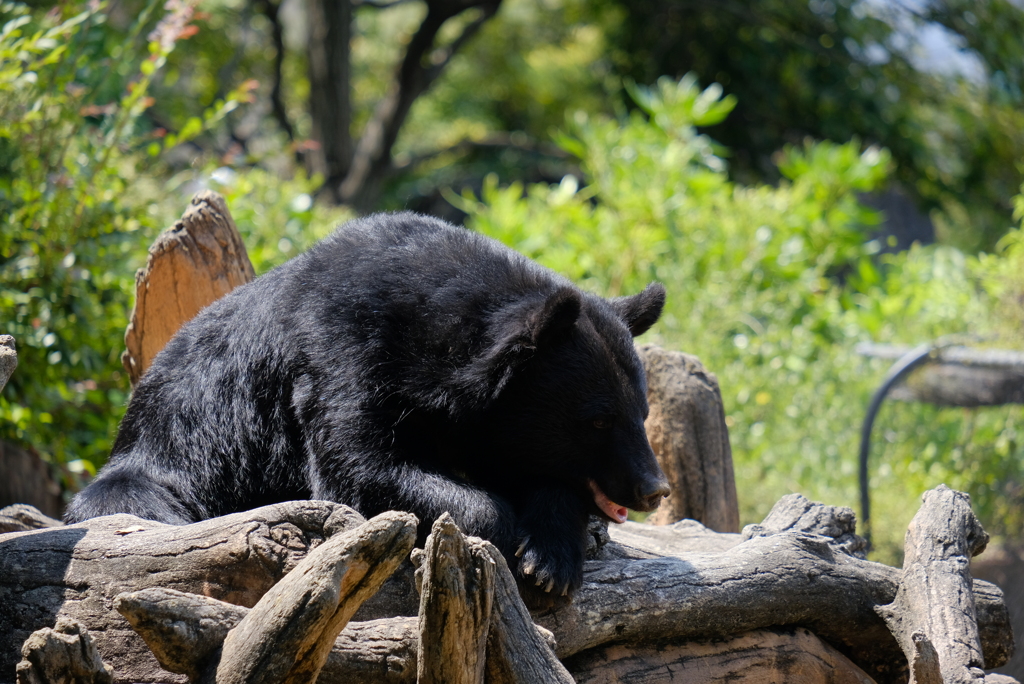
{"x":308,"y":589}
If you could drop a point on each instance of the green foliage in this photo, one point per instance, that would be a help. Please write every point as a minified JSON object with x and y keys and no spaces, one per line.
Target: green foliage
{"x":835,"y":69}
{"x":79,"y":202}
{"x":772,"y":287}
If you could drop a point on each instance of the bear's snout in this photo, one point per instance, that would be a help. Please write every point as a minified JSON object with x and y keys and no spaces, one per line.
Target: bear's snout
{"x":649,"y":493}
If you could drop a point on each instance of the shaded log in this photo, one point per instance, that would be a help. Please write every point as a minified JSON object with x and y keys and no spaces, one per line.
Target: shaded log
{"x":77,"y":570}
{"x":190,"y":265}
{"x":518,"y":652}
{"x":686,"y":428}
{"x":455,"y":607}
{"x":65,"y":654}
{"x":289,"y":633}
{"x":759,"y":657}
{"x":933,"y":616}
{"x":187,"y":630}
{"x":8,"y":358}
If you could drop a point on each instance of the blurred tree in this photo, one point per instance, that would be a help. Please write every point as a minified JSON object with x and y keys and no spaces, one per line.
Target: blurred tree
{"x":835,"y":69}
{"x":355,"y":171}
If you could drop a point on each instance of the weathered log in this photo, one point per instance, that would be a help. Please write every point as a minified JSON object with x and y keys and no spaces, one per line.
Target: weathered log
{"x":455,"y":607}
{"x":288,"y":634}
{"x":959,"y":376}
{"x":23,"y":517}
{"x":686,"y":428}
{"x":517,"y":651}
{"x":933,"y":616}
{"x":186,"y":631}
{"x":794,"y":657}
{"x":65,"y":654}
{"x":788,"y":578}
{"x":190,"y":265}
{"x":77,"y":570}
{"x":8,"y":358}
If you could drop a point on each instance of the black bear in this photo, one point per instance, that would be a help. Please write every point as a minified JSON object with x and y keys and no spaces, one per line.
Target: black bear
{"x":401,"y":363}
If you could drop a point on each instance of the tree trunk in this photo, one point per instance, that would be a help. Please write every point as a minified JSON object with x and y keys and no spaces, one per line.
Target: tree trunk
{"x":330,"y":108}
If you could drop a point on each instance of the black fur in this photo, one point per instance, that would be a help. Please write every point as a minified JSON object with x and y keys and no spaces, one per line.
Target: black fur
{"x":399,"y":364}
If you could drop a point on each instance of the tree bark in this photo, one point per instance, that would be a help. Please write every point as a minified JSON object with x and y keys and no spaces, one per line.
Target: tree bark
{"x":65,"y":654}
{"x":329,"y":69}
{"x":686,"y":428}
{"x":8,"y":358}
{"x":455,"y":607}
{"x":289,"y":633}
{"x":190,"y":265}
{"x":758,"y":657}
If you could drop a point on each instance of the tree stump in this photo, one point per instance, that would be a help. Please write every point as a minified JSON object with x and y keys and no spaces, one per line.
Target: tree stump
{"x":686,"y":428}
{"x":190,"y":265}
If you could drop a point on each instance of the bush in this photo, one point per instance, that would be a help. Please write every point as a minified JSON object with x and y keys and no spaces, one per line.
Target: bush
{"x":83,"y":193}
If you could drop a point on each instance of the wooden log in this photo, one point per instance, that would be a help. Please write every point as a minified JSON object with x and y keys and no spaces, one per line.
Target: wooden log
{"x":77,"y":570}
{"x":517,"y":651}
{"x":187,"y":630}
{"x":686,"y":428}
{"x":455,"y":607}
{"x":933,"y":615}
{"x":190,"y":265}
{"x":707,"y":595}
{"x":8,"y":358}
{"x":288,"y":635}
{"x":759,"y":657}
{"x":22,"y":518}
{"x":65,"y":654}
{"x":959,"y":376}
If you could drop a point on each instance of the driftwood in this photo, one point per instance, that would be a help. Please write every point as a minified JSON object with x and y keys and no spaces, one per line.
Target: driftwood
{"x":794,"y":570}
{"x":457,"y":587}
{"x":190,"y":265}
{"x":65,"y":654}
{"x":933,"y":616}
{"x":959,"y":376}
{"x":8,"y":359}
{"x":686,"y":428}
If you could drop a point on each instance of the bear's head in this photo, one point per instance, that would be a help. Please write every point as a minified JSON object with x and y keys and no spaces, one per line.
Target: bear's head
{"x":570,"y":397}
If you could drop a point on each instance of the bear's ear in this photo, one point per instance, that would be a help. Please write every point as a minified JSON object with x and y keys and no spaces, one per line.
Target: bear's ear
{"x":554,"y":317}
{"x":641,"y":311}
{"x":516,"y":335}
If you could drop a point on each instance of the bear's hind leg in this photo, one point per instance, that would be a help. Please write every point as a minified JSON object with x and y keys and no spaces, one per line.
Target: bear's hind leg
{"x":127,"y":490}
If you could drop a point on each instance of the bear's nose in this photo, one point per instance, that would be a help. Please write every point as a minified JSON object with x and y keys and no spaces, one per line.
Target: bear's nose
{"x":651,"y":492}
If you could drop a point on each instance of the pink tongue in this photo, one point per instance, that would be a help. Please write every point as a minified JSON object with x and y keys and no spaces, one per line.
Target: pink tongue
{"x":613,"y":510}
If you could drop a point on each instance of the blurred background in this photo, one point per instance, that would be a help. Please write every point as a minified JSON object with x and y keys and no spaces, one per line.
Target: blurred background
{"x":802,"y":176}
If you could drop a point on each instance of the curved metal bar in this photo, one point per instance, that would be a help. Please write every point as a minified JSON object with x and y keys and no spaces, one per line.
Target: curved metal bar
{"x":912,"y":359}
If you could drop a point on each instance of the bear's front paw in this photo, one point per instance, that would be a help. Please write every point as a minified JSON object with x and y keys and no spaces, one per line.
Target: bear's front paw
{"x":547,"y":577}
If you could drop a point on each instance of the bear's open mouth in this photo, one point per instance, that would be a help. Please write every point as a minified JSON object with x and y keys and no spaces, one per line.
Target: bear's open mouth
{"x":614,"y":512}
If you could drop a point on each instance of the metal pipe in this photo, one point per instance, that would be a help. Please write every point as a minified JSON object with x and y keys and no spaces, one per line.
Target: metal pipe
{"x":912,"y":359}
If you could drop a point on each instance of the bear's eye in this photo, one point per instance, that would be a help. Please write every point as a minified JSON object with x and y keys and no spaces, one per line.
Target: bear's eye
{"x":603,"y":423}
